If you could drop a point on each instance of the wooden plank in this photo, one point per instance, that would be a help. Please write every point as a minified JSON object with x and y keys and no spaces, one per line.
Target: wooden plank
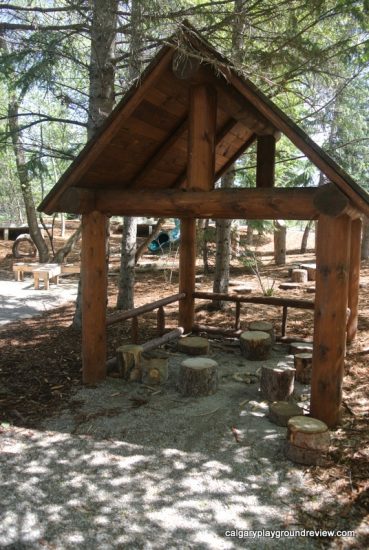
{"x":94,"y":296}
{"x":158,"y":117}
{"x":265,"y":161}
{"x":253,"y":203}
{"x":331,"y":298}
{"x":354,"y":279}
{"x":112,"y":125}
{"x":201,"y":138}
{"x":187,"y":270}
{"x":160,"y":153}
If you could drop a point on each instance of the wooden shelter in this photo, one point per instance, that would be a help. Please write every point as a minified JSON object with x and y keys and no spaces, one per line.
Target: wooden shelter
{"x":160,"y":153}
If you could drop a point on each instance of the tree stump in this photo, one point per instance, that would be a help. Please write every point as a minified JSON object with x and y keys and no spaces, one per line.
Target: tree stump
{"x":303,"y":364}
{"x":193,"y":345}
{"x":198,"y":377}
{"x":277,"y":383}
{"x":154,"y":365}
{"x":281,"y":411}
{"x":255,"y":345}
{"x":263,"y":326}
{"x":129,"y":361}
{"x":289,"y":286}
{"x":299,"y":276}
{"x":300,"y":347}
{"x":308,"y":440}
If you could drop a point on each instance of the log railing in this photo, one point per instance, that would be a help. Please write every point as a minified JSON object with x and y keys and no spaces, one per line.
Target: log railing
{"x":136,"y":312}
{"x":285,"y":303}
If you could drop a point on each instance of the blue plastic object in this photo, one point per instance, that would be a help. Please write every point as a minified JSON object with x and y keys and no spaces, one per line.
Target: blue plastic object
{"x":165,"y":238}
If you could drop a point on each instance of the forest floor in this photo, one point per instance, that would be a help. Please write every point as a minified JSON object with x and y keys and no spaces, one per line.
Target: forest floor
{"x":170,"y":447}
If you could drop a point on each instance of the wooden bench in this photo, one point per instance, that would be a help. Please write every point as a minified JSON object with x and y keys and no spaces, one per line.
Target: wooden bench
{"x":20,"y":268}
{"x":47,"y":272}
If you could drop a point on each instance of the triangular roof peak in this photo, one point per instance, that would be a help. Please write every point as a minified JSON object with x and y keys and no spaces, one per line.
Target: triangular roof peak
{"x":143,"y":143}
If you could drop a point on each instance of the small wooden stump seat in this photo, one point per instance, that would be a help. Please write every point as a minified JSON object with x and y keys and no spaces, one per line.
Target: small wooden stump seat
{"x":308,"y":440}
{"x":263,"y":326}
{"x":303,"y":366}
{"x":47,"y":273}
{"x":198,"y":377}
{"x":277,"y":383}
{"x":255,"y":345}
{"x":281,"y":411}
{"x":193,"y":345}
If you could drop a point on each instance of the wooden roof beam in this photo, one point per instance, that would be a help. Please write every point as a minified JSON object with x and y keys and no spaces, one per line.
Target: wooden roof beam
{"x":160,"y":153}
{"x":252,"y":203}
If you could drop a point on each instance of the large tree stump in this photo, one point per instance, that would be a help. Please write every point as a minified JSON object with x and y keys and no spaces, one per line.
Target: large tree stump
{"x":281,"y":411}
{"x":277,"y":383}
{"x":299,"y":276}
{"x":129,"y":361}
{"x":263,"y":326}
{"x":198,"y":376}
{"x":308,"y":440}
{"x":193,"y":345}
{"x":255,"y":345}
{"x":154,"y":365}
{"x":303,"y":364}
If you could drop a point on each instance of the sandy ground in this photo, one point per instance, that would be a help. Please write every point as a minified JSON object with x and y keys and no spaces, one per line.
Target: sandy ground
{"x":168,"y":474}
{"x":19,"y":299}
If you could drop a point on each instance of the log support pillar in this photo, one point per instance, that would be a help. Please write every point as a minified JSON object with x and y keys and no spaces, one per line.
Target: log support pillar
{"x":354,"y":279}
{"x":265,"y":161}
{"x":94,"y":296}
{"x":187,"y":271}
{"x":332,"y":276}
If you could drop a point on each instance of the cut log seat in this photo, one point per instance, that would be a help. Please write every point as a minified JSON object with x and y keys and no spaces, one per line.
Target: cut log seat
{"x":47,"y":272}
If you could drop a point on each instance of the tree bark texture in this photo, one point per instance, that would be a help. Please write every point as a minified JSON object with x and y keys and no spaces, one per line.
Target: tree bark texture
{"x":280,"y":233}
{"x":223,"y":247}
{"x":20,"y":159}
{"x":101,"y":85}
{"x":127,"y":264}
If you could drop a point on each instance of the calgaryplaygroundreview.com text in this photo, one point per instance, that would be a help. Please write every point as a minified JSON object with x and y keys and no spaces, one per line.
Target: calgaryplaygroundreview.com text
{"x":278,"y":534}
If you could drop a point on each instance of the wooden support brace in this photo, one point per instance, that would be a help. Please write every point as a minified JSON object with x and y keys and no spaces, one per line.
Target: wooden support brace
{"x":265,"y":161}
{"x":160,"y":321}
{"x":201,"y":138}
{"x":237,"y":322}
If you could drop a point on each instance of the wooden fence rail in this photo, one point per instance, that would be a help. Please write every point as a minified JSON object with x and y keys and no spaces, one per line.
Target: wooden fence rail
{"x":285,"y":303}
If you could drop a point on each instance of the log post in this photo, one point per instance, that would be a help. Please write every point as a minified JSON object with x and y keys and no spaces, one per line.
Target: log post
{"x":332,"y":275}
{"x":354,"y":279}
{"x":265,"y":161}
{"x":201,"y":138}
{"x":187,"y":270}
{"x":94,"y":297}
{"x":160,"y":321}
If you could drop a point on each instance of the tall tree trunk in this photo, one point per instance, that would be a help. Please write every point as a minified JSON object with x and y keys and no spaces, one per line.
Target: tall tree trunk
{"x":365,"y":239}
{"x":280,"y":233}
{"x":223,"y":247}
{"x":129,"y":236}
{"x":305,"y":237}
{"x":127,"y":265}
{"x":101,"y":84}
{"x":63,"y":252}
{"x":25,"y":183}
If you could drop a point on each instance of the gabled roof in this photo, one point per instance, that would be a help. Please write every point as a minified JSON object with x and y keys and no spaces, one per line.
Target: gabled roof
{"x":143,"y":143}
